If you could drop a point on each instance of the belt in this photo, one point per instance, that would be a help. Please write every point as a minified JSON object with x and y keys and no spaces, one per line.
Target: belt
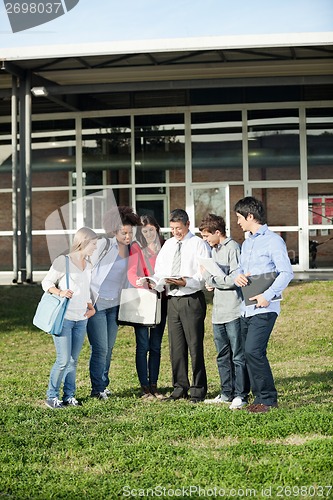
{"x":183,"y":296}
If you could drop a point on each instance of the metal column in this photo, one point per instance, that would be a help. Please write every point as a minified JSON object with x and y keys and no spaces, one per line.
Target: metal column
{"x":28,"y":198}
{"x":25,"y":180}
{"x":15,"y":181}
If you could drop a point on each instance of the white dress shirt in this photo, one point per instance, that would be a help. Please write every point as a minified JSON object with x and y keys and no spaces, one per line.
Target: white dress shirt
{"x":192,"y":247}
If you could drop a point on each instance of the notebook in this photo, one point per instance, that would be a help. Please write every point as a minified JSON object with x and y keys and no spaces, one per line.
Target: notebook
{"x":257,"y":284}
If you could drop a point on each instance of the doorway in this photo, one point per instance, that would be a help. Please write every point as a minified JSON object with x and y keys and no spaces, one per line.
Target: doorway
{"x":155,"y":205}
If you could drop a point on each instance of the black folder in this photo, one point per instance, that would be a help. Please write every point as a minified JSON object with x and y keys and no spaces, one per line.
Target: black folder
{"x":257,"y":284}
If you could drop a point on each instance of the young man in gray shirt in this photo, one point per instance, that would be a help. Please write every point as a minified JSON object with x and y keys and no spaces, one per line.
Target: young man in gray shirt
{"x":226,"y":313}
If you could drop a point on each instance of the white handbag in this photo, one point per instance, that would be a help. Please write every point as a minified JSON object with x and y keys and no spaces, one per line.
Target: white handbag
{"x":139,"y":306}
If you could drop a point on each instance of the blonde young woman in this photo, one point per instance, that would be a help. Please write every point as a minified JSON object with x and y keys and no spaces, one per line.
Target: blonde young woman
{"x":69,"y":343}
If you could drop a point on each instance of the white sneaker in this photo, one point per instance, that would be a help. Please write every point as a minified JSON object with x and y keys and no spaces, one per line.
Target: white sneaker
{"x":99,"y":395}
{"x":71,"y":402}
{"x":237,"y":403}
{"x":54,"y":403}
{"x":221,"y":398}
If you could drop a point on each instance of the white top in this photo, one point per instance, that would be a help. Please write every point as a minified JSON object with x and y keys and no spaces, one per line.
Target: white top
{"x":79,"y":283}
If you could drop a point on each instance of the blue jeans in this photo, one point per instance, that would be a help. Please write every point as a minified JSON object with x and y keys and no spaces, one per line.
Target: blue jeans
{"x":231,"y":360}
{"x":102,"y":333}
{"x":68,"y":347}
{"x":148,"y":350}
{"x":256,"y":331}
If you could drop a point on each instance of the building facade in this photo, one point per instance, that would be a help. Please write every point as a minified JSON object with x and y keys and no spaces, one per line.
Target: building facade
{"x":193,"y":129}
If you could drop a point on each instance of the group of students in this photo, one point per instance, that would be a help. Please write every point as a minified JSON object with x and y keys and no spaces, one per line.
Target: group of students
{"x":101,"y":267}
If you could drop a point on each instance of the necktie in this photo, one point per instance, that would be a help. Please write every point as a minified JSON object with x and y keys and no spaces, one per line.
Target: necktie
{"x":176,"y":263}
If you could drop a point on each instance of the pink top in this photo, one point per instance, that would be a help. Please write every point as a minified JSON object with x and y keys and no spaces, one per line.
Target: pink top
{"x":137,"y":265}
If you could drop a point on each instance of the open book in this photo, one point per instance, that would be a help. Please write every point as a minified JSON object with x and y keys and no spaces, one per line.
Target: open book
{"x":158,"y":283}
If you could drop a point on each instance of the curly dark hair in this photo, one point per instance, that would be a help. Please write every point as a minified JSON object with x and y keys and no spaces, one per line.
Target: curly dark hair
{"x":117,"y":217}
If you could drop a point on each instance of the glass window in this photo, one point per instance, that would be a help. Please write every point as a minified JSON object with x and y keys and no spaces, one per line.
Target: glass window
{"x":209,"y":200}
{"x":320,"y":225}
{"x":5,"y":211}
{"x":53,"y":163}
{"x":321,"y":208}
{"x":106,"y":151}
{"x":273,"y":145}
{"x":53,"y":154}
{"x":159,"y":149}
{"x":217,"y":146}
{"x":236,"y":192}
{"x":97,"y":203}
{"x":281,"y":205}
{"x":319,"y":134}
{"x":5,"y":162}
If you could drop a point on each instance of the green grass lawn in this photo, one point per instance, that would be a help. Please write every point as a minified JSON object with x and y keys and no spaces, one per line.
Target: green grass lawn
{"x":127,"y":448}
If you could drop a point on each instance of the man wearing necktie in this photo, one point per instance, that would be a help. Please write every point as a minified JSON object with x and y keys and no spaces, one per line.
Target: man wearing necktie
{"x":178,"y":258}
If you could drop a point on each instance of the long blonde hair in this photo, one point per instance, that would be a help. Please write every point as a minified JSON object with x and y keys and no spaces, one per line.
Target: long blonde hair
{"x":82,"y":238}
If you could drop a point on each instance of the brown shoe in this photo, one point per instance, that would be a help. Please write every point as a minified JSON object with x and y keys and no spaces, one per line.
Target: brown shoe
{"x":146,"y":394}
{"x":260,"y":408}
{"x":154,"y":391}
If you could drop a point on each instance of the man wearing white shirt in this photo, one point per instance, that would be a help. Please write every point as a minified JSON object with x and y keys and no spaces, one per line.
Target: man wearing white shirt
{"x":186,"y":307}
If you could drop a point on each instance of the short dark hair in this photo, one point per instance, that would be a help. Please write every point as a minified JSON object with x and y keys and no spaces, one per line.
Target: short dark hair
{"x":178,"y":215}
{"x":250,"y":205}
{"x":213,"y":223}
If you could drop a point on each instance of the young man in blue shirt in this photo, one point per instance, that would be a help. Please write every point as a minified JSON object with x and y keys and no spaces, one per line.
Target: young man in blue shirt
{"x":263,"y":251}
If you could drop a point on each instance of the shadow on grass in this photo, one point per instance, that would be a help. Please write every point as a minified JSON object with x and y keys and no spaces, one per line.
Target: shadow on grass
{"x":314,"y":388}
{"x":131,"y":392}
{"x":18,"y":306}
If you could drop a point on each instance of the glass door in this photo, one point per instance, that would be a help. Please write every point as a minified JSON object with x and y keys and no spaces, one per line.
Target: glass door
{"x":155,"y":205}
{"x":208,"y":198}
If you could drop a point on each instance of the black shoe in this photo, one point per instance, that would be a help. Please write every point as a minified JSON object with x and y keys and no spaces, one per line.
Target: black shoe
{"x":145,"y":390}
{"x":176,"y":397}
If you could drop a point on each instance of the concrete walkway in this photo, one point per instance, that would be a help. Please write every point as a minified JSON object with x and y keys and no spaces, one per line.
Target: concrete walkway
{"x":6,"y":278}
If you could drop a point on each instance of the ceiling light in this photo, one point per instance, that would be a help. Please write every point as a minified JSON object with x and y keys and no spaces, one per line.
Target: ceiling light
{"x":39,"y":91}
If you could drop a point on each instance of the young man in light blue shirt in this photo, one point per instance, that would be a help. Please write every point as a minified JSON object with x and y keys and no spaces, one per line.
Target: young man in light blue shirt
{"x":263,"y":251}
